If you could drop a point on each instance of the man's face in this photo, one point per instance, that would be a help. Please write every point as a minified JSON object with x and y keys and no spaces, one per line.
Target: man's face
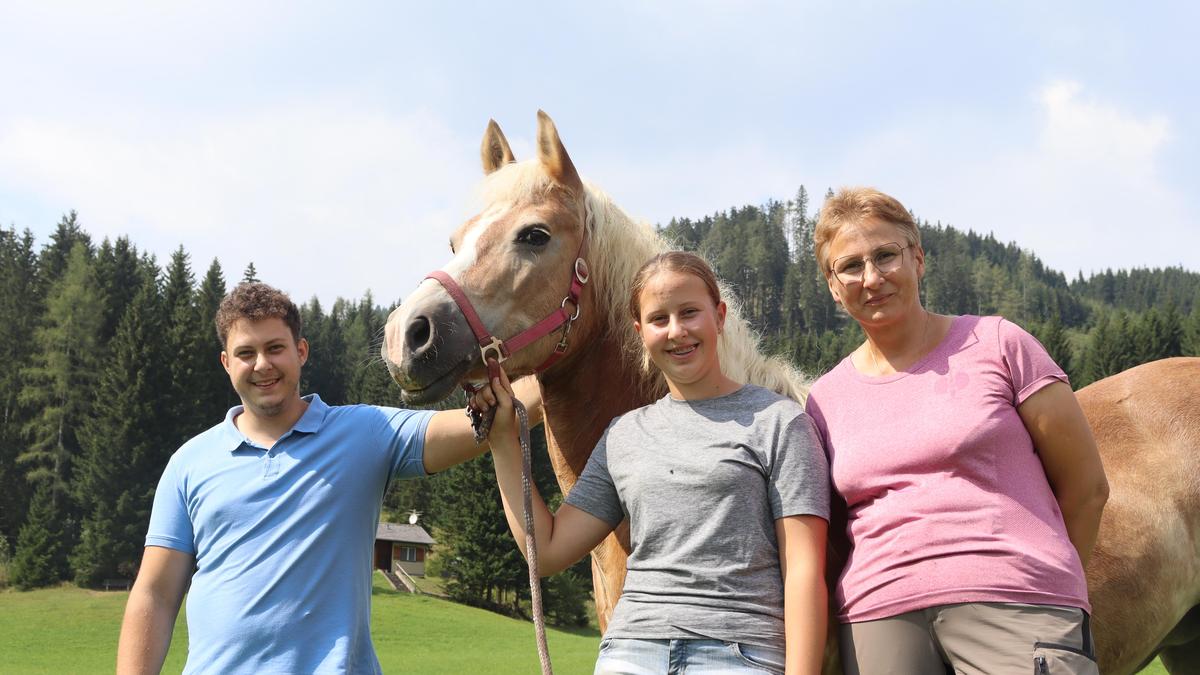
{"x":263,"y":362}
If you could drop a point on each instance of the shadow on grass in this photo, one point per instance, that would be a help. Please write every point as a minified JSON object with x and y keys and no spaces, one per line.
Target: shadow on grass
{"x":382,"y":588}
{"x":581,"y":631}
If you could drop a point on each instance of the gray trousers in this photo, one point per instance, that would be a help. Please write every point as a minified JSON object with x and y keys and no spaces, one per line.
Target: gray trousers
{"x":984,"y":638}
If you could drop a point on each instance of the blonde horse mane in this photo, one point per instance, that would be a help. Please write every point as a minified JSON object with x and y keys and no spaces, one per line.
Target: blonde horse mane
{"x":617,"y":248}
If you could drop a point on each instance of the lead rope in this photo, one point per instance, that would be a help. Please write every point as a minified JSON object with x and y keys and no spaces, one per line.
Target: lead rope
{"x":535,"y":586}
{"x":482,"y":424}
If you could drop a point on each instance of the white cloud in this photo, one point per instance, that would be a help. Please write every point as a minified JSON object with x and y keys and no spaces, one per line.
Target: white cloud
{"x":1097,"y":197}
{"x":329,"y":200}
{"x":1075,"y":178}
{"x":1079,"y":131}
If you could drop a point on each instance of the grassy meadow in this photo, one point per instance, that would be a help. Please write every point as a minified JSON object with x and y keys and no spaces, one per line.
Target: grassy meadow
{"x":71,"y":630}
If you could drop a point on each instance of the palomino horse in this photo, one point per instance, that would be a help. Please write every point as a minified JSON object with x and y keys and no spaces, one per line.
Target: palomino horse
{"x":514,"y":261}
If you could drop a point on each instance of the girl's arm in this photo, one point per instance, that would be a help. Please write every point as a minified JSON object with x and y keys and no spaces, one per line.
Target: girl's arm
{"x":805,"y":599}
{"x":562,"y":538}
{"x":1069,"y":456}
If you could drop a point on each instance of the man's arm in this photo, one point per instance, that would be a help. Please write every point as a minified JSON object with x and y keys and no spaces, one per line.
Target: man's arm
{"x":449,"y":439}
{"x":151,"y":610}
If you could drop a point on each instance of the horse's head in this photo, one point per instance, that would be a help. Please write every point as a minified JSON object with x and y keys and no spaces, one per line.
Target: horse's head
{"x":514,"y":261}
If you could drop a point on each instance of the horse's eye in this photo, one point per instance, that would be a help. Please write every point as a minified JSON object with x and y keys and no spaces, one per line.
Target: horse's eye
{"x":534,"y":235}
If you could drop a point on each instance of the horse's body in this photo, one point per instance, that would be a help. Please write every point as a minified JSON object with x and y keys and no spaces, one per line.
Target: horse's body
{"x":514,"y":260}
{"x":1144,"y":576}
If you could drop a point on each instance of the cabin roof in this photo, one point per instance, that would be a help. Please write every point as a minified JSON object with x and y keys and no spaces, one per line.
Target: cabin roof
{"x":403,"y":532}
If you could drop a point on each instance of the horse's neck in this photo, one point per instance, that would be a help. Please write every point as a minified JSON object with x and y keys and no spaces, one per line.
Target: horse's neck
{"x":581,"y":398}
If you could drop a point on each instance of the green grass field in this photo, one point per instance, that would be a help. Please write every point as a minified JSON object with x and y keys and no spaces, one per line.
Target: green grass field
{"x":70,"y":630}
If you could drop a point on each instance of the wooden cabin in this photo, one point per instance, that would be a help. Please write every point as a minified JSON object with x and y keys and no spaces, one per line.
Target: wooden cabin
{"x":402,"y":545}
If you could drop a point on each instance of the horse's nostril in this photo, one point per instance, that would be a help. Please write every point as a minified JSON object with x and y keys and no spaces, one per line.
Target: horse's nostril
{"x":418,"y":333}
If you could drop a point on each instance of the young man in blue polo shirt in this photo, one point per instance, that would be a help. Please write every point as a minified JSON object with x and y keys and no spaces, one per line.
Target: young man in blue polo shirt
{"x":275,"y":510}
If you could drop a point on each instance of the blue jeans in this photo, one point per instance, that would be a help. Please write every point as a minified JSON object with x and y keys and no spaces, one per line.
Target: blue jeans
{"x":628,"y":656}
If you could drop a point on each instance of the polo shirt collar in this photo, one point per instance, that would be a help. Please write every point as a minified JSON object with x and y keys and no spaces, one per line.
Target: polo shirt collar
{"x":310,"y":422}
{"x":312,"y":418}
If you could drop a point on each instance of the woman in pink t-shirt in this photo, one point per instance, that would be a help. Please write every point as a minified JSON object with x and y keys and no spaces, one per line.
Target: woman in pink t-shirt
{"x":972,"y":485}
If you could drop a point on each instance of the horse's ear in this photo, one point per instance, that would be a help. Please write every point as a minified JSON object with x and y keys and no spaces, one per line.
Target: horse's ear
{"x":494,"y":150}
{"x":554,"y":156}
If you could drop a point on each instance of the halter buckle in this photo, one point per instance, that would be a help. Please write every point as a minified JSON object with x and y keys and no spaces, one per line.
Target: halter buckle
{"x":496,"y":346}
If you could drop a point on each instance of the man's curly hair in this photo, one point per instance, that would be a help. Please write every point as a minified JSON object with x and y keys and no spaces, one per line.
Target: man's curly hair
{"x":256,"y":301}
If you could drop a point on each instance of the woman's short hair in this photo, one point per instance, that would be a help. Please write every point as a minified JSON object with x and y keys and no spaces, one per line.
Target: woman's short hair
{"x":256,"y":301}
{"x":852,"y":205}
{"x":671,"y":261}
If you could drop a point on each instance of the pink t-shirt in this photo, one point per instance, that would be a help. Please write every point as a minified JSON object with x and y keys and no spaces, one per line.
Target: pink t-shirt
{"x":946,"y":497}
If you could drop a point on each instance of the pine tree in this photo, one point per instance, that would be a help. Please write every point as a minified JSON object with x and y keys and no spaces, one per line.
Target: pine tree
{"x":1157,"y":335}
{"x":21,"y":304}
{"x":54,"y":258}
{"x":126,"y":443}
{"x":39,"y":555}
{"x":323,"y":372}
{"x":1054,"y":338}
{"x":482,"y":562}
{"x":1190,"y":340}
{"x":60,"y":387}
{"x":250,"y":276}
{"x":1111,"y":348}
{"x":187,"y":342}
{"x":368,"y":380}
{"x":949,"y":285}
{"x":211,"y":383}
{"x":62,"y":378}
{"x":567,"y":594}
{"x":119,"y":274}
{"x":800,"y":227}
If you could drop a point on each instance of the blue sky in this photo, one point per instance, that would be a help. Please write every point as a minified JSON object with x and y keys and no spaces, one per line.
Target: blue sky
{"x":336,"y":144}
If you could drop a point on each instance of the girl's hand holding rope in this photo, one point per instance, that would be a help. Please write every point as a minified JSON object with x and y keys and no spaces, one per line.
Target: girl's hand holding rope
{"x":493,"y":402}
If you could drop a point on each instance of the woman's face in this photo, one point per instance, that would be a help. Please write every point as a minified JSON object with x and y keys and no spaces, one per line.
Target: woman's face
{"x":878,"y":298}
{"x":680,"y":324}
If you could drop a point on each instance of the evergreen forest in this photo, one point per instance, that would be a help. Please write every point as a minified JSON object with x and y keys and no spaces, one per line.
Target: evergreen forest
{"x":108,"y":363}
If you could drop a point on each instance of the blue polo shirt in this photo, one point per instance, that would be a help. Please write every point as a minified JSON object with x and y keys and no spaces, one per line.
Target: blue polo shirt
{"x":283,"y":537}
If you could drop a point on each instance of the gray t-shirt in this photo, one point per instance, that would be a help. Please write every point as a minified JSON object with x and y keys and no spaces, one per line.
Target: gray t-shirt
{"x":702,"y":483}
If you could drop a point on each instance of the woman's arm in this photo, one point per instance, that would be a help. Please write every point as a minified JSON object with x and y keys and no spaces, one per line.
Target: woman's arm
{"x":805,"y":599}
{"x":562,"y":538}
{"x":1069,"y":456}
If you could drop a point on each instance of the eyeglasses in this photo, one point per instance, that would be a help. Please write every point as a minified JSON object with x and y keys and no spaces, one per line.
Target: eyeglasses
{"x":888,"y":258}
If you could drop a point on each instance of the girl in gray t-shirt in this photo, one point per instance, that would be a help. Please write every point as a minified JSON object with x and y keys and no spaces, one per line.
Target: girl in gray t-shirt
{"x":726,"y":490}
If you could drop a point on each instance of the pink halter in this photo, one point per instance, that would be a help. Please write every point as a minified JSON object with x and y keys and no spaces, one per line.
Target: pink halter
{"x":492,"y":347}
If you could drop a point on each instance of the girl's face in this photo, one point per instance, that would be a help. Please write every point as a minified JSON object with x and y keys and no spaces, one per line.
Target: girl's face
{"x":680,"y":324}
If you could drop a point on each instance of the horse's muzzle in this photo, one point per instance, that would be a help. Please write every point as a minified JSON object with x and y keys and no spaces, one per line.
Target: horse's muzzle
{"x":428,"y":349}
